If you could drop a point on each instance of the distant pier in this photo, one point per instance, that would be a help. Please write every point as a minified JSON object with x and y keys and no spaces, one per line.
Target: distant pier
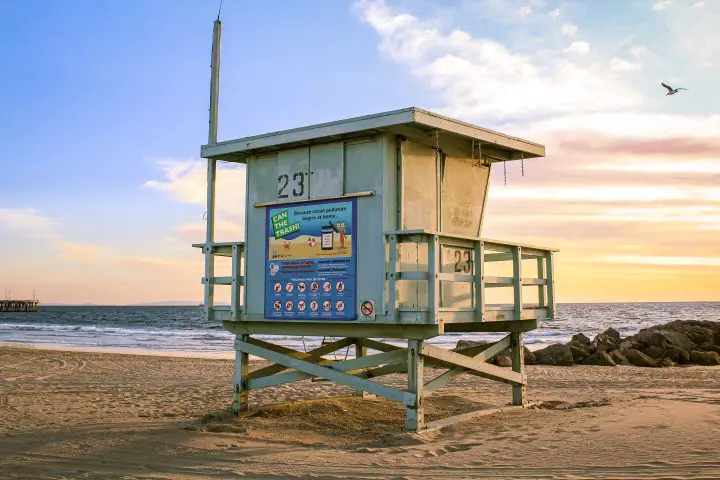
{"x":19,"y":305}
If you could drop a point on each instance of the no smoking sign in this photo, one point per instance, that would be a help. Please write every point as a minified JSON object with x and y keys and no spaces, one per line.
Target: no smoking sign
{"x":367,"y":310}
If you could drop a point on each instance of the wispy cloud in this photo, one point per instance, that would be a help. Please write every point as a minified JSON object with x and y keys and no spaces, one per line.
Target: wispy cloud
{"x":34,"y":225}
{"x":481,"y":78}
{"x":569,"y":29}
{"x":186,"y":181}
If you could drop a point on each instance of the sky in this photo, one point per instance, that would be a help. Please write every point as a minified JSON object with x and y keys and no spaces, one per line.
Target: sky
{"x":103,"y":109}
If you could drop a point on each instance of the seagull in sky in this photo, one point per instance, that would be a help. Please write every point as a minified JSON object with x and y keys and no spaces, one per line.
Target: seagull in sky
{"x":672,"y":91}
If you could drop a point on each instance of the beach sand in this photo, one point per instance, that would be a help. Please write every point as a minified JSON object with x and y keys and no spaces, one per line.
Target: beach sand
{"x":100,"y":415}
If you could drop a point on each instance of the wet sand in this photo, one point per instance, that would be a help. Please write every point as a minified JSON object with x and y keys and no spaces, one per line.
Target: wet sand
{"x":69,"y":414}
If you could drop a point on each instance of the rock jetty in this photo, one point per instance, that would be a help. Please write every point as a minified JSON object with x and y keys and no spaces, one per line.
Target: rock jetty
{"x":676,"y":343}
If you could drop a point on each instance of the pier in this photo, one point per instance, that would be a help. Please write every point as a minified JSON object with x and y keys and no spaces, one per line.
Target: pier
{"x":19,"y":305}
{"x":10,"y":305}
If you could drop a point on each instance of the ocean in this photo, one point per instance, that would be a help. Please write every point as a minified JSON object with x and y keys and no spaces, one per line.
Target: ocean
{"x":184,"y":329}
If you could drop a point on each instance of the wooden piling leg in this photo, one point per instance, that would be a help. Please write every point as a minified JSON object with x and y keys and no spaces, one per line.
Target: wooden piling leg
{"x":415,"y":363}
{"x":240,"y":388}
{"x":360,"y":351}
{"x":518,"y":365}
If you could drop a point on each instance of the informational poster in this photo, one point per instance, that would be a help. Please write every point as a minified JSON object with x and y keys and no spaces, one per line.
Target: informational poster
{"x":310,"y":261}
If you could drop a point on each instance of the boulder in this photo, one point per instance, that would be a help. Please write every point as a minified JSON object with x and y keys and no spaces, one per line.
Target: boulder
{"x":704,"y":358}
{"x":708,"y":346}
{"x":578,"y":354}
{"x":599,"y":358}
{"x":471,"y":343}
{"x":654,"y":351}
{"x":637,"y":358}
{"x":581,"y":339}
{"x":556,"y":354}
{"x":678,"y":339}
{"x":606,"y":341}
{"x":666,"y":362}
{"x":502,"y":360}
{"x":677,"y":355}
{"x":619,"y":358}
{"x":699,"y":334}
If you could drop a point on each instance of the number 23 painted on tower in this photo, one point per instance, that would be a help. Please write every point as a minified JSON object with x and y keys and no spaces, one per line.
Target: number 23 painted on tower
{"x":298,"y":187}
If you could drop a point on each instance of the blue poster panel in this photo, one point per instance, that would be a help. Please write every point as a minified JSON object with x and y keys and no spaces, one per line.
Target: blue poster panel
{"x":310,"y":261}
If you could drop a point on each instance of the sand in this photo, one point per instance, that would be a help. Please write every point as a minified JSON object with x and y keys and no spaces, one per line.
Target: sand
{"x":98,"y":415}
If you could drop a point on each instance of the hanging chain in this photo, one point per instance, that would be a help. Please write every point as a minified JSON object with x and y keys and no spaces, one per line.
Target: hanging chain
{"x":522,"y":163}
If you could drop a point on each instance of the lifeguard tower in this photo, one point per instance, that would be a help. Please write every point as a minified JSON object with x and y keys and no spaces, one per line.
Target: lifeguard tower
{"x":370,"y":228}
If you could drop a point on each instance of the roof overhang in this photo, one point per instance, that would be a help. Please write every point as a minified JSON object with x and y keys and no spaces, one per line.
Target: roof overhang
{"x":409,"y":122}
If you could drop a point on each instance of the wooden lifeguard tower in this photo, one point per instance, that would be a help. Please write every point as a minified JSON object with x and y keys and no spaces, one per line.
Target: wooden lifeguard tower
{"x":370,"y":228}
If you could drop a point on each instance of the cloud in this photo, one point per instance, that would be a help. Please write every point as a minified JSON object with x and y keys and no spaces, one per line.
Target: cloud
{"x":698,"y":4}
{"x":569,"y":29}
{"x":580,"y":47}
{"x":638,"y":51}
{"x":186,"y":181}
{"x":35,"y":225}
{"x":525,"y":11}
{"x":671,"y":146}
{"x":662,"y":4}
{"x":620,"y":65}
{"x":710,"y":262}
{"x":554,"y":14}
{"x":27,"y":219}
{"x":481,"y":78}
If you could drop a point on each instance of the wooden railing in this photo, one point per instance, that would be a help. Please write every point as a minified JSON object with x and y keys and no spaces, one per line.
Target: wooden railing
{"x":235,"y":250}
{"x":450,"y":284}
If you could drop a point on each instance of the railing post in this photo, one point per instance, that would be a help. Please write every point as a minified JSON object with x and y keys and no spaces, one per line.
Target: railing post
{"x":236,"y":283}
{"x":517,"y":282}
{"x":550,"y":285}
{"x":392,"y":278}
{"x":479,"y":284}
{"x":433,"y":281}
{"x":541,"y":288}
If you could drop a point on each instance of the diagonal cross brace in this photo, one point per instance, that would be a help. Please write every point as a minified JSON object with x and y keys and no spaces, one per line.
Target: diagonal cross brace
{"x":483,"y":356}
{"x":406,"y":398}
{"x":348,"y":366}
{"x":479,"y":367}
{"x":311,"y":355}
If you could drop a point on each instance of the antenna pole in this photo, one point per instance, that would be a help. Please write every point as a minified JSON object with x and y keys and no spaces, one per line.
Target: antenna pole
{"x":212,"y":169}
{"x":214,"y":82}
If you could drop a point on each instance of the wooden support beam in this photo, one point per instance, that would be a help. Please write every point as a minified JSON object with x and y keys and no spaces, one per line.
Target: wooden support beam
{"x":416,"y":411}
{"x":480,"y":368}
{"x":310,"y":356}
{"x":360,"y":351}
{"x":518,"y":366}
{"x":407,"y":398}
{"x":355,"y":365}
{"x":241,"y":402}
{"x":379,"y":346}
{"x":482,"y":356}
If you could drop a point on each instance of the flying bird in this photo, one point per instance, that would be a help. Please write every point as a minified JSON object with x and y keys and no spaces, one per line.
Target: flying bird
{"x":671,"y":91}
